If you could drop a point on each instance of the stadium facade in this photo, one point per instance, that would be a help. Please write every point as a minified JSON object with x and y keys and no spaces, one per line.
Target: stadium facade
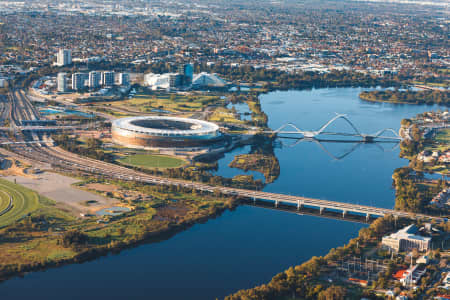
{"x":164,"y":132}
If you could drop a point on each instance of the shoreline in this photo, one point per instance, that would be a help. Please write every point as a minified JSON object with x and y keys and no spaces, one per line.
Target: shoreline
{"x":169,"y":231}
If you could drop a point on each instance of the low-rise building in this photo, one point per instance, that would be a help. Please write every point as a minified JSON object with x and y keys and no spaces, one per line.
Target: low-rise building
{"x":405,"y":240}
{"x":441,"y":199}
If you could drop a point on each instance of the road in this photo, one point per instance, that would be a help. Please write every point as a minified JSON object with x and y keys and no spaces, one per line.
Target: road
{"x":56,"y":157}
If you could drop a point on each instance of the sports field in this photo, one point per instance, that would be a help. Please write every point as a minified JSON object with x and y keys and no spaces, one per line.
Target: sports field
{"x":152,"y":161}
{"x":15,"y":202}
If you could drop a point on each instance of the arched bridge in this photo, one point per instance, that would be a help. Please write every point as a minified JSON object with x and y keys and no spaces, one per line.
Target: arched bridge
{"x":357,"y":133}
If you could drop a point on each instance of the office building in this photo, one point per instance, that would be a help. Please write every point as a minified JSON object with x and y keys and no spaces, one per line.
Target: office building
{"x":187,"y":73}
{"x":124,"y":79}
{"x":95,"y":79}
{"x":78,"y":81}
{"x":108,"y":78}
{"x":61,"y":82}
{"x":405,"y":240}
{"x":64,"y":57}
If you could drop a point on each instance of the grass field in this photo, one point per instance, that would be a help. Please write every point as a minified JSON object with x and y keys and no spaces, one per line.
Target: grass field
{"x":24,"y":201}
{"x":443,"y":136}
{"x":4,"y":202}
{"x":152,"y":161}
{"x":441,"y":141}
{"x":160,"y":102}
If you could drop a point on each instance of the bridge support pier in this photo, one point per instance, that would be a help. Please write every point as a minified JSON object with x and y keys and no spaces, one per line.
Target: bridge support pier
{"x":344,"y":213}
{"x":299,"y":204}
{"x":276,"y":203}
{"x":321,"y":209}
{"x":367,"y":217}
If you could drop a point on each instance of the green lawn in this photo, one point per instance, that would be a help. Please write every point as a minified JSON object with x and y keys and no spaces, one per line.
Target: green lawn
{"x":153,"y":161}
{"x":441,"y":141}
{"x":25,"y":201}
{"x":149,"y":102}
{"x":443,"y":136}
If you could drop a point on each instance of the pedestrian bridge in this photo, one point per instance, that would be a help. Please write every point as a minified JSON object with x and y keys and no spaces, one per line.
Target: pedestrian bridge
{"x":290,"y":128}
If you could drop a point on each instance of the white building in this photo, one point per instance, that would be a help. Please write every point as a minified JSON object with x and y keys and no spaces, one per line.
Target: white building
{"x":412,"y":276}
{"x":78,"y":80}
{"x":95,"y":79}
{"x":2,"y":83}
{"x":61,"y":82}
{"x":406,"y":240}
{"x":64,"y":57}
{"x":162,"y":81}
{"x":108,"y":78}
{"x":208,"y":80}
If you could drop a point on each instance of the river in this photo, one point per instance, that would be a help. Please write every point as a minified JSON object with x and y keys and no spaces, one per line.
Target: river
{"x":247,"y":246}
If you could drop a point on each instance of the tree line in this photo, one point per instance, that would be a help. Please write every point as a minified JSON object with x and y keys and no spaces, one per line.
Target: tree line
{"x":411,"y":97}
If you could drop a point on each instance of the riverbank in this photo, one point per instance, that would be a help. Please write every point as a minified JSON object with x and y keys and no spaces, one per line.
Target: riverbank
{"x":441,"y":97}
{"x":50,"y":243}
{"x":327,"y":277}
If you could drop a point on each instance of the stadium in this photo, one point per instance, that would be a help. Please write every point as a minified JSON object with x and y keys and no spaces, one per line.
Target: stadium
{"x":164,"y":132}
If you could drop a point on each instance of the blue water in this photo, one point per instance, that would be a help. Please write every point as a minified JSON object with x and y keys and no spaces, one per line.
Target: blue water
{"x":242,"y":109}
{"x":350,"y":172}
{"x":239,"y":249}
{"x":248,"y":246}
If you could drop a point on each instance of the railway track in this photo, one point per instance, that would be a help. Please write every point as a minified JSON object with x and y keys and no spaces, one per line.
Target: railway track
{"x":57,"y":157}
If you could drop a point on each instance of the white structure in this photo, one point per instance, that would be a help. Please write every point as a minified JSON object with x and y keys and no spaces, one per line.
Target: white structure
{"x":207,"y":80}
{"x":406,"y":240}
{"x":166,"y":126}
{"x":64,"y":57}
{"x":61,"y":82}
{"x":95,"y":79}
{"x":108,"y":78}
{"x":412,"y":275}
{"x":78,"y":80}
{"x":162,"y":81}
{"x":2,"y":83}
{"x":124,"y":79}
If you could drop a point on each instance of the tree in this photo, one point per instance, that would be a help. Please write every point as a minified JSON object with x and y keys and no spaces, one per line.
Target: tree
{"x":333,"y":293}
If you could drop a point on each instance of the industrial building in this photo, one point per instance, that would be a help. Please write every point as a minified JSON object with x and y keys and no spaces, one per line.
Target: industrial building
{"x":405,"y":240}
{"x":164,"y":132}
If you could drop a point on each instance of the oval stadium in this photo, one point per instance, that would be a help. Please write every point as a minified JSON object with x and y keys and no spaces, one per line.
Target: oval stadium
{"x":163,"y":132}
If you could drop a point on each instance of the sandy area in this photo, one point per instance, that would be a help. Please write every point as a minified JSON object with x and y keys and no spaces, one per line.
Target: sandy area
{"x":59,"y":188}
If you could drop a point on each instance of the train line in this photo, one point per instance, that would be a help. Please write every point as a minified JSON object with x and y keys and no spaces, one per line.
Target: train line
{"x":57,"y":157}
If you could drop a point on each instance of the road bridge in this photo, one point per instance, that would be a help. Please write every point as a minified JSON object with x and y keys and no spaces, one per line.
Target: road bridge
{"x":70,"y":161}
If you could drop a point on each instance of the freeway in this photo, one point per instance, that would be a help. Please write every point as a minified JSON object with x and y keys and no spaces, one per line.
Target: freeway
{"x":58,"y":157}
{"x":22,"y":109}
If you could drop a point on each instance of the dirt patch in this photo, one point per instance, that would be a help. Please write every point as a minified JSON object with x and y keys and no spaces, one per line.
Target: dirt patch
{"x":106,"y":188}
{"x":12,"y":167}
